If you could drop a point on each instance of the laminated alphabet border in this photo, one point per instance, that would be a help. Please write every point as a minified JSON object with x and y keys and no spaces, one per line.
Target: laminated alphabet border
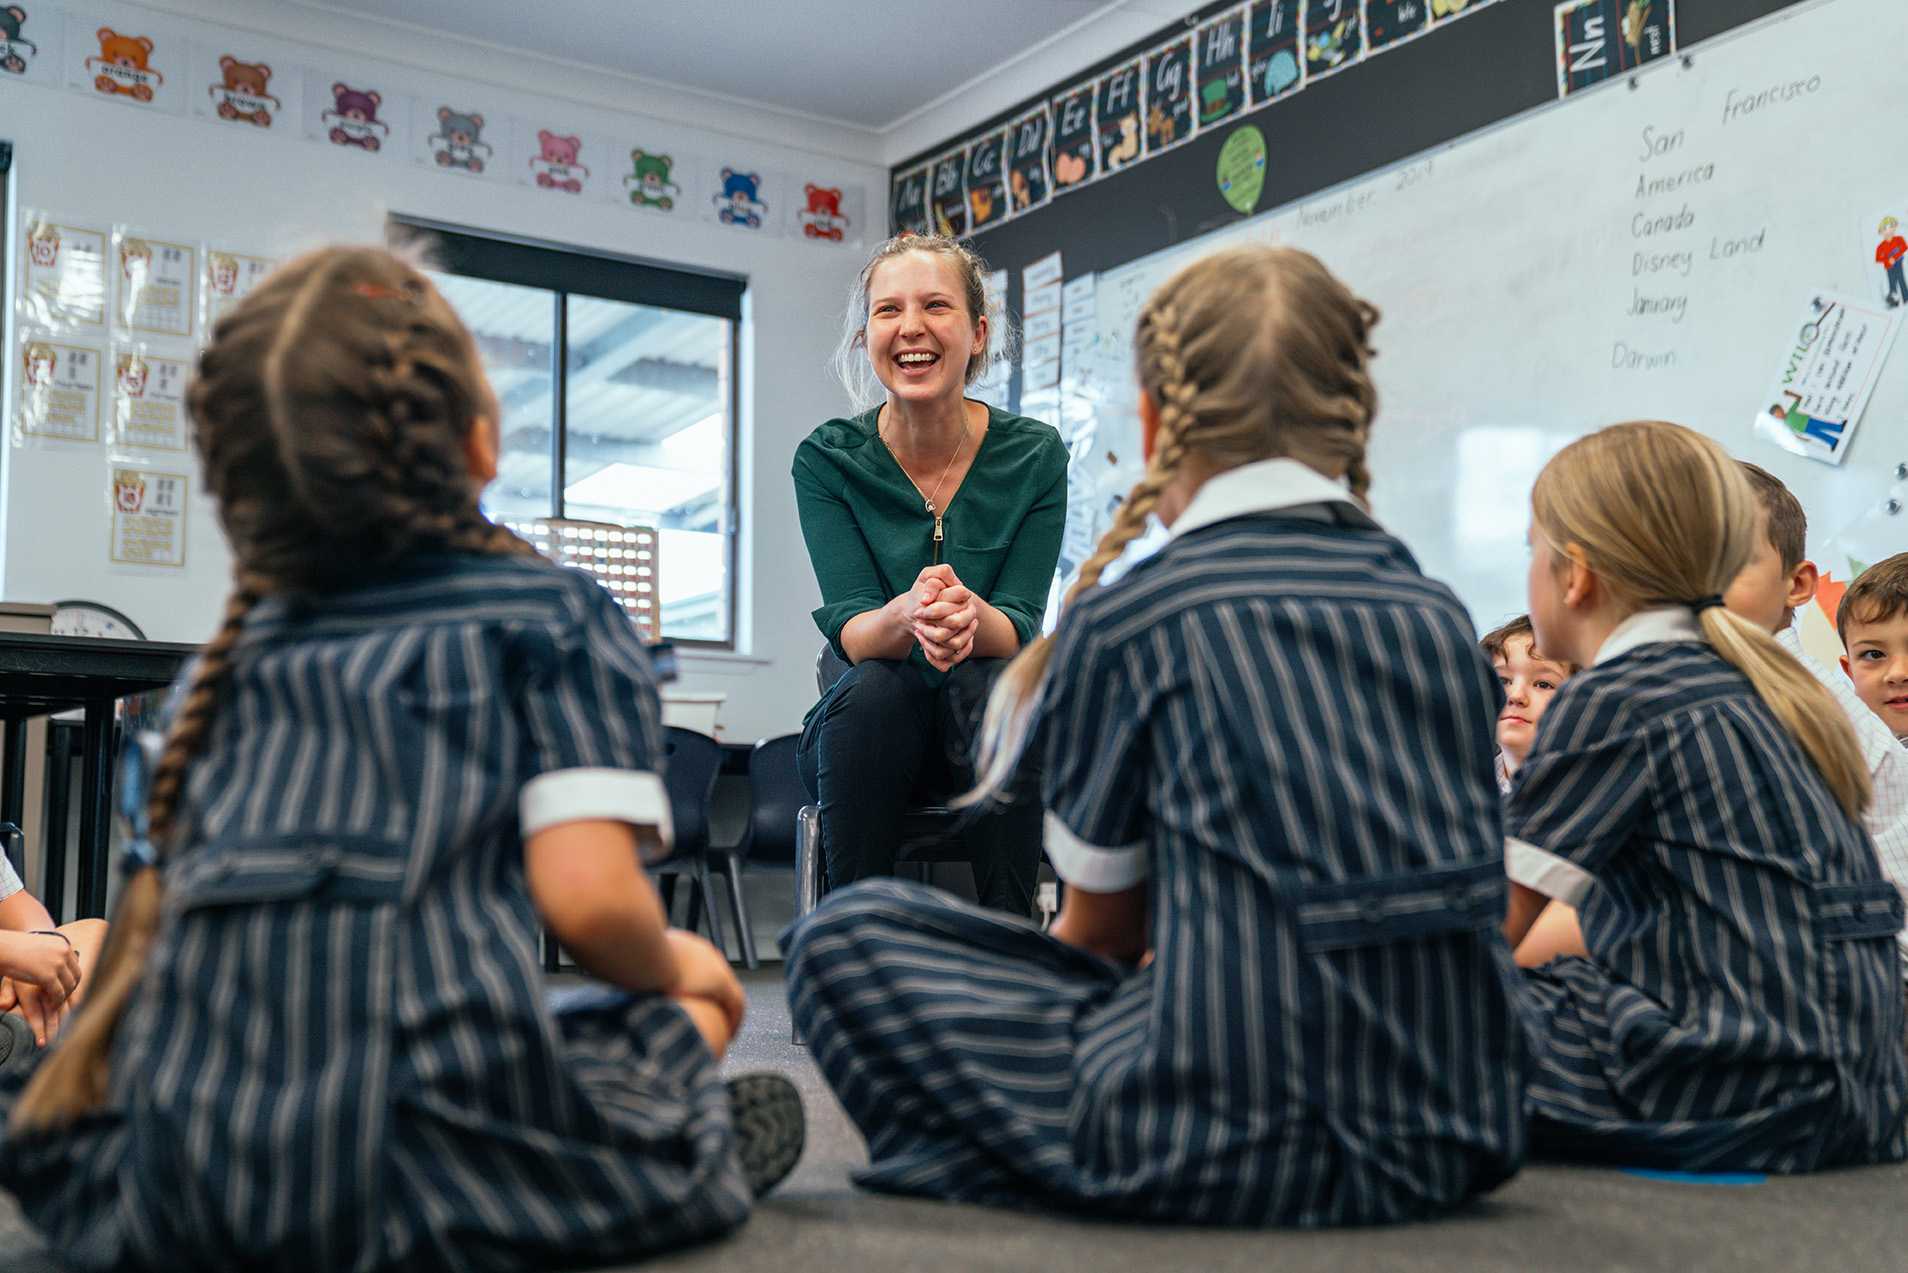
{"x":146,"y":60}
{"x":1189,"y":82}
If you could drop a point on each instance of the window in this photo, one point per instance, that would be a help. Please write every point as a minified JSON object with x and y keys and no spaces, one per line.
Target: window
{"x":618,"y":388}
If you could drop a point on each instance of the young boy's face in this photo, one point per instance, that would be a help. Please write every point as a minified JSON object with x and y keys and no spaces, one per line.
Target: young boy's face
{"x":1529,"y":682}
{"x":1767,"y":592}
{"x":1877,"y":661}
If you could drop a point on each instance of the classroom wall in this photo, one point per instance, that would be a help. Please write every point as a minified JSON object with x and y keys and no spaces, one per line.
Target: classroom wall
{"x":100,"y":162}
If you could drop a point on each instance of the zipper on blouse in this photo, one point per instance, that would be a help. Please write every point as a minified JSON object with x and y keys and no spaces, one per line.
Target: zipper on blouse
{"x":937,"y":537}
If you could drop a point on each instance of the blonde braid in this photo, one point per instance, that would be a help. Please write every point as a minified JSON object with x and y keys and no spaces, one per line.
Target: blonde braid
{"x":1014,"y":702}
{"x":73,"y":1081}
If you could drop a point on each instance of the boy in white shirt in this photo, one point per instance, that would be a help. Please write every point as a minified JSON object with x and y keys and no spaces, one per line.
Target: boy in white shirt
{"x":1529,"y":680}
{"x":1777,"y":580}
{"x":1873,"y":623}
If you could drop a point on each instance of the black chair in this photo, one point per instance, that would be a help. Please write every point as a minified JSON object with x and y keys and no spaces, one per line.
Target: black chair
{"x":929,"y":833}
{"x":689,"y":774}
{"x":776,"y":796}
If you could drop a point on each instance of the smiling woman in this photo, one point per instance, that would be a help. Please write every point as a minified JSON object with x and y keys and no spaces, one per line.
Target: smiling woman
{"x":933,"y":524}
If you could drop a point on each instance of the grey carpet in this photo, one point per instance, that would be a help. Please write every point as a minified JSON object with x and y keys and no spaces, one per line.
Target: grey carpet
{"x":1548,"y":1220}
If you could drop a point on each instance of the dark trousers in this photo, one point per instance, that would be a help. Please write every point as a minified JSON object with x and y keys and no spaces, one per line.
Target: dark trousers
{"x":881,"y":740}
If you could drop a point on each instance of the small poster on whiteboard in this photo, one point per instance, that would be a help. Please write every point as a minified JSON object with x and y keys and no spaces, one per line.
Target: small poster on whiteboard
{"x":63,"y":274}
{"x":1829,"y":370}
{"x":149,"y":517}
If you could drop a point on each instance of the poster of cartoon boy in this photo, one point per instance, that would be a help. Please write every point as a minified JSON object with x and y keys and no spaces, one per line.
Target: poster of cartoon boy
{"x":1888,"y":255}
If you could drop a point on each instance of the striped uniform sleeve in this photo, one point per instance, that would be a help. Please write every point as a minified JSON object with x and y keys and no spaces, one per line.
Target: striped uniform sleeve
{"x":1095,"y":776}
{"x":595,"y":725}
{"x":1577,"y":800}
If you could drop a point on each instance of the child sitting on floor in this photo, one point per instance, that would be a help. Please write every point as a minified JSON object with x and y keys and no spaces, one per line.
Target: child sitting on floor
{"x":1528,"y":680}
{"x":1873,"y":622}
{"x":1274,"y":994}
{"x":1697,"y":796}
{"x":318,"y":1038}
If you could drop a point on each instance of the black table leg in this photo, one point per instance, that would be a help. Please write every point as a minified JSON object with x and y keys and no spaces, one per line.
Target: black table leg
{"x":96,"y":790}
{"x":59,"y":790}
{"x":13,"y":784}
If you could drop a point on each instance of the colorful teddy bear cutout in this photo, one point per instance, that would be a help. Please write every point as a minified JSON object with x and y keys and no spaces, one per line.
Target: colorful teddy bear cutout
{"x":739,"y":203}
{"x":124,"y":66}
{"x":243,"y":95}
{"x":556,"y":163}
{"x":15,"y":50}
{"x":353,"y":118}
{"x":459,"y":140}
{"x":648,"y":183}
{"x":822,"y":218}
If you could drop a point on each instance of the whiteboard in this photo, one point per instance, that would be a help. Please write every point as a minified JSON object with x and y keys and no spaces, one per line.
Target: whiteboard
{"x":1631,"y":252}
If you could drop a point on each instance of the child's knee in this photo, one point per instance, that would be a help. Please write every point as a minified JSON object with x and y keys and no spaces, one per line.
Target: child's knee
{"x":847,"y":916}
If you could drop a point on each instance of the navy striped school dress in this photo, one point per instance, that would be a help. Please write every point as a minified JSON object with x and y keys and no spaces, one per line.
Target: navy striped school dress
{"x":1742,"y":1005}
{"x":339,"y":1058}
{"x":1285,"y":731}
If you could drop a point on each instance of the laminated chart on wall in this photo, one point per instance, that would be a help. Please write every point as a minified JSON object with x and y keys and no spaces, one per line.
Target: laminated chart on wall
{"x":236,"y":85}
{"x":1275,"y":50}
{"x":998,"y":372}
{"x":155,"y":283}
{"x":1029,"y":183}
{"x":1829,"y":371}
{"x":751,"y":199}
{"x":947,"y":196}
{"x":548,"y":154}
{"x":57,"y":394}
{"x":1119,"y":102}
{"x":830,"y":210}
{"x":1040,"y":287}
{"x":1334,"y":36}
{"x":146,"y":65}
{"x":229,"y":277}
{"x":363,"y":115}
{"x":1074,"y":156}
{"x":1219,"y":49}
{"x":1170,"y":119}
{"x":652,"y":178}
{"x":147,"y":512}
{"x":457,"y":135}
{"x":1391,"y":22}
{"x":985,"y":178}
{"x":909,"y":212}
{"x":1597,"y":39}
{"x":148,"y":410}
{"x":32,"y":40}
{"x":62,"y":272}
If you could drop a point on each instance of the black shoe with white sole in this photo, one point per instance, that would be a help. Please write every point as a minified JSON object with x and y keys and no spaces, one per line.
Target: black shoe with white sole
{"x":770,"y":1128}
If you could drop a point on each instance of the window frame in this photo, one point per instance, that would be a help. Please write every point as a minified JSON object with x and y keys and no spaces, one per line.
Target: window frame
{"x":565,"y":270}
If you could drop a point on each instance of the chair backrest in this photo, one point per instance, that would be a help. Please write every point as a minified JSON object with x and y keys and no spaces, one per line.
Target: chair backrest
{"x":829,"y":668}
{"x":690,"y":775}
{"x":776,"y":794}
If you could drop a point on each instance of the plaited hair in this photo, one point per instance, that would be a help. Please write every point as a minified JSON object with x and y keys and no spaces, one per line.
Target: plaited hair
{"x":851,"y":358}
{"x":1663,"y":516}
{"x":330,"y":412}
{"x":1252,"y":353}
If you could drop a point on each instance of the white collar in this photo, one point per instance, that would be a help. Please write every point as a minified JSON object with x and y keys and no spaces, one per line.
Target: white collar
{"x":1649,"y":627}
{"x":1266,"y":486}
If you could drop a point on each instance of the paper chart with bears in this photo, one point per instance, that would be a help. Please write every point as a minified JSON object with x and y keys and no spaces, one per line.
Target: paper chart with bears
{"x":238,"y":86}
{"x":31,"y":43}
{"x":155,"y":283}
{"x":143,"y":65}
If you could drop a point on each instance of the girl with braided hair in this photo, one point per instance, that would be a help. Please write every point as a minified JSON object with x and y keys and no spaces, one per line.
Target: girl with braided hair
{"x":317,"y":1037}
{"x":1275,"y":993}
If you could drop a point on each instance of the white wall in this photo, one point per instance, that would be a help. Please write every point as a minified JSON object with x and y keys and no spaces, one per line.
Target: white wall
{"x":101,"y":162}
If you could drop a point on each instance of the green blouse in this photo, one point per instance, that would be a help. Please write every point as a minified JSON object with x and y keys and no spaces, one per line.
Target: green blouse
{"x":869,"y":535}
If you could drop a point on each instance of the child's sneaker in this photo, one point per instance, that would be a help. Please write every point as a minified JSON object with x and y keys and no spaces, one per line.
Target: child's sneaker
{"x":770,"y":1129}
{"x":16,"y":1043}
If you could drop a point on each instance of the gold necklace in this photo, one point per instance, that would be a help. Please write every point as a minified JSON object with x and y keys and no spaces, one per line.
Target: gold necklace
{"x":927,"y":500}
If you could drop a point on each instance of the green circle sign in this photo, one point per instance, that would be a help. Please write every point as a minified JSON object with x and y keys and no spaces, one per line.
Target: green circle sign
{"x":1242,"y":167}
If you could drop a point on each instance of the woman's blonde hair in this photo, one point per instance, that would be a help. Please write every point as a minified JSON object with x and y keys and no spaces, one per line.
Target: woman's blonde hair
{"x":1663,"y":516}
{"x":330,"y":413}
{"x":1250,"y":354}
{"x":851,"y":357}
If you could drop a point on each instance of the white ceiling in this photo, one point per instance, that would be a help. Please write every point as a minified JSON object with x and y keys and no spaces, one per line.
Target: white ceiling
{"x":859,"y":63}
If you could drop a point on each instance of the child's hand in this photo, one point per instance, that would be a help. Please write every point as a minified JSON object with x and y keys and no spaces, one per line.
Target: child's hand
{"x":41,"y":961}
{"x":703,"y":972}
{"x":43,"y":1012}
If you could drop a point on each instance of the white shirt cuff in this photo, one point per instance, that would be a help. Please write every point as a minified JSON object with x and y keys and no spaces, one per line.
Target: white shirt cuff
{"x":637,"y":797}
{"x":1090,"y":866}
{"x":1546,"y":873}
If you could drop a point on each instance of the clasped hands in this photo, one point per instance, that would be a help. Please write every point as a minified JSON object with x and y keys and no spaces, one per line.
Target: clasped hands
{"x":942,"y":615}
{"x":42,"y":972}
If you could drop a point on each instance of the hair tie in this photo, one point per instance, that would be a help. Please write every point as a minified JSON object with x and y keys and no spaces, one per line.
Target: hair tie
{"x":379,"y":292}
{"x":1705,"y":603}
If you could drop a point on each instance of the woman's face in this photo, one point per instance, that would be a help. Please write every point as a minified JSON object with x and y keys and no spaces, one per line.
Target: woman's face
{"x":920,"y":334}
